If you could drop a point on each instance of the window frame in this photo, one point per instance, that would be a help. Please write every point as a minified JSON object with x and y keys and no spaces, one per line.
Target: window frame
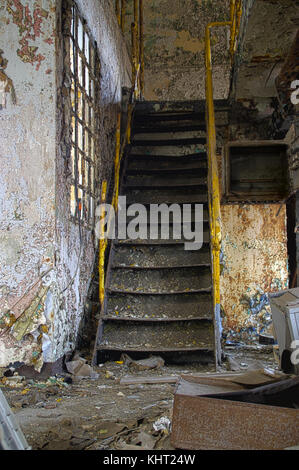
{"x":83,"y":66}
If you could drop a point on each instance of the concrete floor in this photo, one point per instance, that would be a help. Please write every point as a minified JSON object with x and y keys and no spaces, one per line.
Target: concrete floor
{"x":102,"y":413}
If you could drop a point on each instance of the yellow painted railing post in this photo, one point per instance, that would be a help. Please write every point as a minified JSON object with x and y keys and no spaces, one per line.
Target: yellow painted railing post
{"x":213,"y":179}
{"x":136,"y":21}
{"x":134,"y":56}
{"x":117,"y":11}
{"x":123,"y":15}
{"x":102,"y":245}
{"x":141,"y":45}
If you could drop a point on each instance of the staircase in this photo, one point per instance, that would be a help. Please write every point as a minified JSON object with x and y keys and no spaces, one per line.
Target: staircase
{"x":158,"y":295}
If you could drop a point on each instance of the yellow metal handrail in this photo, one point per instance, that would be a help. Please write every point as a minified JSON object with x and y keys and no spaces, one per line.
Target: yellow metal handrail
{"x":136,"y":91}
{"x":213,"y":178}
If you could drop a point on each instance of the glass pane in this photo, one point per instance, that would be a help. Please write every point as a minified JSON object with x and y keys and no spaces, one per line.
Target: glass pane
{"x":92,"y":182}
{"x":86,"y":47}
{"x":73,"y":128}
{"x":91,"y":91}
{"x":91,"y":209}
{"x":80,"y":179}
{"x":80,"y":70}
{"x":86,"y":80}
{"x":91,"y":123}
{"x":80,"y":133}
{"x":80,"y":104}
{"x":73,"y":25}
{"x":73,"y":162}
{"x":91,"y":155}
{"x":86,"y":143}
{"x":86,"y":206}
{"x":86,"y":113}
{"x":73,"y":201}
{"x":72,"y":56}
{"x":80,"y":34}
{"x":80,"y":203}
{"x":86,"y":182}
{"x":73,"y":94}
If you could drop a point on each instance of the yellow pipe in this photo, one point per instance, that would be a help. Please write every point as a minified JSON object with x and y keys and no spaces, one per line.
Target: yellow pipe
{"x":117,"y":11}
{"x":136,"y":21}
{"x":236,"y":13}
{"x":213,"y":179}
{"x":141,"y":45}
{"x":102,"y":246}
{"x":123,"y":15}
{"x":133,"y":34}
{"x":129,"y":124}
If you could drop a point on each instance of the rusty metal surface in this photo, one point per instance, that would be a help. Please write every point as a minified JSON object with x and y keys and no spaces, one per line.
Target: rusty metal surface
{"x":255,"y":262}
{"x":201,"y":423}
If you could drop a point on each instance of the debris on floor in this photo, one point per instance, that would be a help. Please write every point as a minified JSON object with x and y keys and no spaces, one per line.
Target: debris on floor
{"x":78,"y":366}
{"x":153,"y":362}
{"x":126,"y":407}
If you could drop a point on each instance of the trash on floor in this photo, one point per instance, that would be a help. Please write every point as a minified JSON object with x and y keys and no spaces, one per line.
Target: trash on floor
{"x":78,"y":366}
{"x":153,"y":362}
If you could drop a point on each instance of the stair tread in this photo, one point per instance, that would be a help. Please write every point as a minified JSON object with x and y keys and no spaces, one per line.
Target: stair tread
{"x":168,"y":129}
{"x":154,"y":320}
{"x":168,"y":142}
{"x":159,"y":296}
{"x":199,"y":157}
{"x":152,"y":335}
{"x":146,"y":196}
{"x":166,"y":184}
{"x":136,"y":292}
{"x":202,"y":265}
{"x":151,"y":349}
{"x":160,"y":242}
{"x":171,"y":116}
{"x":163,"y":255}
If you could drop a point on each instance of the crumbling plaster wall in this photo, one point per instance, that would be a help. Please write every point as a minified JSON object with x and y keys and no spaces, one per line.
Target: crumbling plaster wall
{"x":255,"y":255}
{"x":174,"y":48}
{"x":270,"y":29}
{"x":27,"y":148}
{"x":45,"y":273}
{"x":255,"y":263}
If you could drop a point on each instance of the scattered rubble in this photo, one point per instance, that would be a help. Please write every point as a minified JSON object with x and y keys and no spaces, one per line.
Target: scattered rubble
{"x":126,"y":406}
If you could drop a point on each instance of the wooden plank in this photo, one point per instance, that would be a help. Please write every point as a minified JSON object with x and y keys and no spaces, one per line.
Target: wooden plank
{"x":149,"y":380}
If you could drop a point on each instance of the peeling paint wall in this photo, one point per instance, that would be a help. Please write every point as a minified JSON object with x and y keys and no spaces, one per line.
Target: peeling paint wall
{"x":45,"y":269}
{"x":27,"y":148}
{"x":174,"y":48}
{"x":254,"y":264}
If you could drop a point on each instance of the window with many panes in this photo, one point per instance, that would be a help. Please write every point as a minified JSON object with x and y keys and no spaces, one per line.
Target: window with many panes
{"x":84,"y":74}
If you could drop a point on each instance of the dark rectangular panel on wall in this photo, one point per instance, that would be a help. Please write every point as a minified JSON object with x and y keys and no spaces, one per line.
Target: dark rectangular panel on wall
{"x":255,"y":172}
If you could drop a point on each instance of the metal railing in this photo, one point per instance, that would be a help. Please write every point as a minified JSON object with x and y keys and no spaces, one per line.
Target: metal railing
{"x":137,"y":35}
{"x":213,"y":178}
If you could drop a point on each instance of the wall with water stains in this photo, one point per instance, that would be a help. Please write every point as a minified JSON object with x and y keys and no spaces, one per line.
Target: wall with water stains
{"x":174,"y":47}
{"x":254,"y":264}
{"x":44,"y":266}
{"x":27,"y":148}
